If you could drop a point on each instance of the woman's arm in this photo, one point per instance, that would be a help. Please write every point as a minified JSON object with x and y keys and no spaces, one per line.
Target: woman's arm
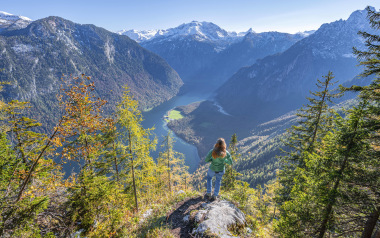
{"x":228,"y":159}
{"x":209,"y":157}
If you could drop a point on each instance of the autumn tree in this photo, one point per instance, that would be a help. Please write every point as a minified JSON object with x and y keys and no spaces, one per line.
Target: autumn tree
{"x":174,"y":171}
{"x":136,"y":162}
{"x":84,"y":137}
{"x":27,"y":170}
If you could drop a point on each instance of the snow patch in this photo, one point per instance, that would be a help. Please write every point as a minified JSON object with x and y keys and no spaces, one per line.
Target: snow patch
{"x":21,"y":48}
{"x":68,"y":42}
{"x":109,"y":51}
{"x":252,"y":74}
{"x":10,"y":17}
{"x":220,"y":109}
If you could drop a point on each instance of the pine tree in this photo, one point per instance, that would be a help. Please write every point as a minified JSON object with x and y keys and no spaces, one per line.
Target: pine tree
{"x":349,"y":149}
{"x":315,"y":121}
{"x":371,"y":60}
{"x":231,"y":174}
{"x":292,"y":197}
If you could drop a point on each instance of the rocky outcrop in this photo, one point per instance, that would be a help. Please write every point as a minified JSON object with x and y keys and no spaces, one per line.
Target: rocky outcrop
{"x":197,"y":217}
{"x":215,"y":218}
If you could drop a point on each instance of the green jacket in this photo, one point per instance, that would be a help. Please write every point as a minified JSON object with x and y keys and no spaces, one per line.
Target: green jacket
{"x":217,"y":164}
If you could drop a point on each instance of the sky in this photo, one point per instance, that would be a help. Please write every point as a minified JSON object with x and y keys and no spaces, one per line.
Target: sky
{"x":232,"y":15}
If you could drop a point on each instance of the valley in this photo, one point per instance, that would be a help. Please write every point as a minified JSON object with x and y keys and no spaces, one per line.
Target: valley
{"x":258,"y":102}
{"x":104,"y":133}
{"x":234,"y":82}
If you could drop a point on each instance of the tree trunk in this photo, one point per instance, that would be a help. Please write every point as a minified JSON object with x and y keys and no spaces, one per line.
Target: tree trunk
{"x":319,"y":117}
{"x":133,"y":174}
{"x":371,"y":223}
{"x":170,"y":187}
{"x":115,"y":161}
{"x":332,"y":200}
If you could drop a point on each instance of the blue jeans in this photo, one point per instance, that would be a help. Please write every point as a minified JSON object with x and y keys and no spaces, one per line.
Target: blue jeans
{"x":218,"y":180}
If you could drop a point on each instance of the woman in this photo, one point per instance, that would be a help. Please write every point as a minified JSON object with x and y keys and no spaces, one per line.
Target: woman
{"x":218,"y":157}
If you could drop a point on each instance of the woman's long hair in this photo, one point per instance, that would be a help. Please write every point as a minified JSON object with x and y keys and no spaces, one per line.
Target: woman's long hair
{"x":219,"y":149}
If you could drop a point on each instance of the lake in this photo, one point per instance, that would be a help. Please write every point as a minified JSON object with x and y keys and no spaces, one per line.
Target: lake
{"x":155,"y":117}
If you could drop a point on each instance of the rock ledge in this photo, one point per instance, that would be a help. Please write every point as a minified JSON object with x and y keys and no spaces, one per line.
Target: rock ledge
{"x":216,"y":217}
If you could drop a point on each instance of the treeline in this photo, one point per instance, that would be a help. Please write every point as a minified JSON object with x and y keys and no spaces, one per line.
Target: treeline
{"x":115,"y":175}
{"x":330,"y":179}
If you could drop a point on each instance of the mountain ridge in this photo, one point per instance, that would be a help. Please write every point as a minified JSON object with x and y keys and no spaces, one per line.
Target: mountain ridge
{"x":283,"y":80}
{"x":35,"y":58}
{"x":196,"y":50}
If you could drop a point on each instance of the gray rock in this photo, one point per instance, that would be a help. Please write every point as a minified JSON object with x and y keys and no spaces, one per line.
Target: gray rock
{"x":218,"y":216}
{"x":199,"y":216}
{"x":186,"y":218}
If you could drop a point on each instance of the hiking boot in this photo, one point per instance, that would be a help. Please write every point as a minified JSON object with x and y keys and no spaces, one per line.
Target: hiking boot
{"x":207,"y":196}
{"x":214,"y":198}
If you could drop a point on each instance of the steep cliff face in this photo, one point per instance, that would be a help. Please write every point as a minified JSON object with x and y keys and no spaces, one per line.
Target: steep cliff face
{"x":33,"y":60}
{"x":279,"y":83}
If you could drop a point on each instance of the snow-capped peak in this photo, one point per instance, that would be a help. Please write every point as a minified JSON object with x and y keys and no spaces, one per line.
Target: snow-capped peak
{"x":140,"y":35}
{"x":200,"y":30}
{"x":10,"y":17}
{"x":207,"y":30}
{"x":11,"y":21}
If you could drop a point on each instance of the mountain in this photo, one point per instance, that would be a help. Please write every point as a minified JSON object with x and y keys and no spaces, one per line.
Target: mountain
{"x":250,"y":48}
{"x":140,"y":36}
{"x":12,"y":22}
{"x":33,"y":60}
{"x":190,"y":47}
{"x":204,"y":52}
{"x":201,"y":30}
{"x":279,"y":83}
{"x":258,"y":102}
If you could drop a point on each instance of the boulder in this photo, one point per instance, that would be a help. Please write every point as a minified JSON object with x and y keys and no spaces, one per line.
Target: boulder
{"x":216,"y":217}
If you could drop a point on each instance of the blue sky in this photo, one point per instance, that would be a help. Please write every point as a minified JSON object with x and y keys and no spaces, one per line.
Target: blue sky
{"x":233,"y":15}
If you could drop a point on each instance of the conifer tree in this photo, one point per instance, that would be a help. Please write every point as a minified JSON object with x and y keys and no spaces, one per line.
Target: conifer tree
{"x":371,"y":61}
{"x":231,"y":174}
{"x":315,"y":121}
{"x":349,"y":148}
{"x":137,"y":162}
{"x":336,"y":192}
{"x":172,"y":162}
